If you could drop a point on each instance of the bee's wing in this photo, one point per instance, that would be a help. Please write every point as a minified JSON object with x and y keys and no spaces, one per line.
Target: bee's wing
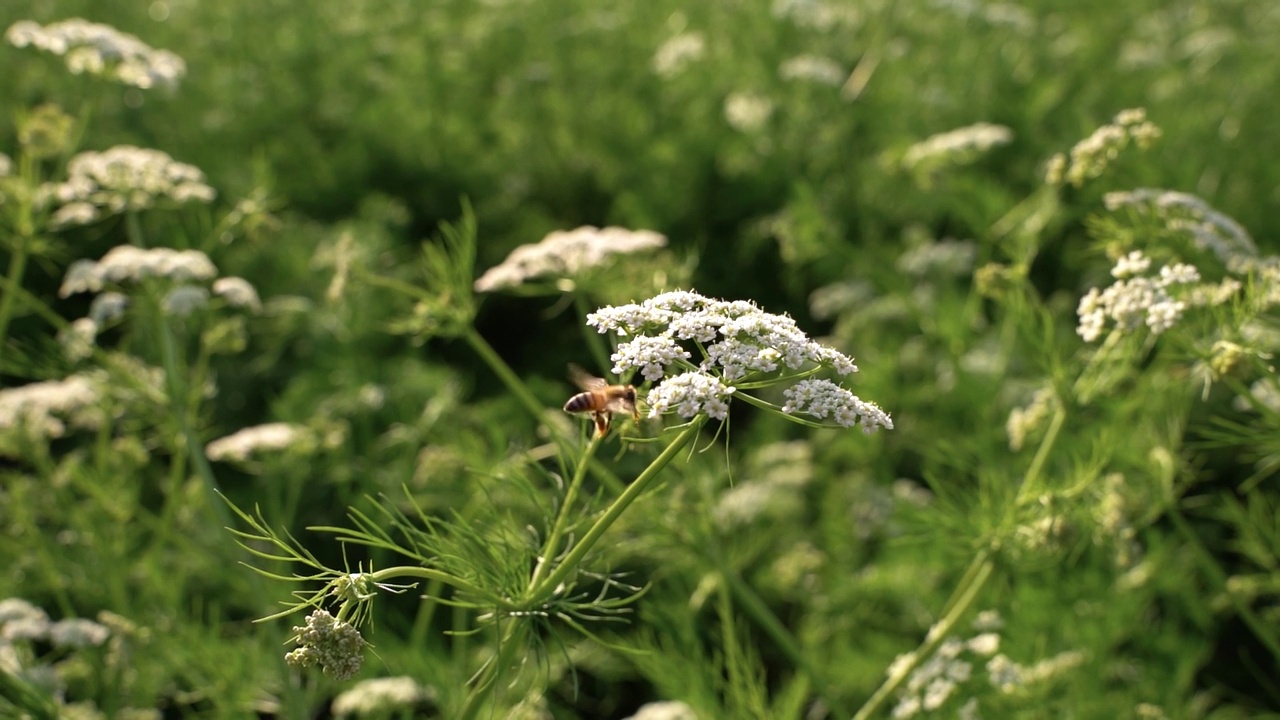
{"x":621,"y":405}
{"x":584,"y":379}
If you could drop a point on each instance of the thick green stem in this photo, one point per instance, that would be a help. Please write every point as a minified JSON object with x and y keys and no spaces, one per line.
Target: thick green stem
{"x":544,"y":590}
{"x":570,"y":497}
{"x":593,"y":340}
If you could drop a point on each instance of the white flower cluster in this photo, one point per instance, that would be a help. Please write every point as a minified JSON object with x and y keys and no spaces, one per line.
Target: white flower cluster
{"x":738,"y":342}
{"x":1008,"y":676}
{"x":118,"y":179}
{"x":238,"y":293}
{"x":43,"y":408}
{"x":813,"y":68}
{"x":1210,"y":229}
{"x":6,"y":166}
{"x":690,"y":394}
{"x":101,"y":50}
{"x":127,"y":263}
{"x":1091,"y":156}
{"x":958,"y":146}
{"x":242,"y":445}
{"x":379,"y":696}
{"x":824,"y":399}
{"x":934,"y":681}
{"x":664,"y":710}
{"x":652,"y":354}
{"x":747,"y":112}
{"x":1135,"y":299}
{"x":567,"y":253}
{"x":678,"y":53}
{"x":944,"y":257}
{"x":22,"y":621}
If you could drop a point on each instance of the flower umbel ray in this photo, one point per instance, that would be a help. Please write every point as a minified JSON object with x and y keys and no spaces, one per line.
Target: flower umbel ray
{"x":702,"y":352}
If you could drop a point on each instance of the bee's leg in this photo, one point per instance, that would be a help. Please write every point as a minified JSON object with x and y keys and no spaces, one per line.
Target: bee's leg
{"x":602,"y":418}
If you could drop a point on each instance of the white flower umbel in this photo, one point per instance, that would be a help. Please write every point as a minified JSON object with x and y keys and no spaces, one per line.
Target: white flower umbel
{"x":43,"y":408}
{"x":244,"y":444}
{"x":736,"y":346}
{"x":564,"y":254}
{"x":1135,"y":299}
{"x":122,"y":178}
{"x":1182,"y":212}
{"x":129,"y":264}
{"x":380,"y":696}
{"x":238,"y":292}
{"x":957,"y":147}
{"x":678,"y":53}
{"x":100,"y":49}
{"x":813,"y":68}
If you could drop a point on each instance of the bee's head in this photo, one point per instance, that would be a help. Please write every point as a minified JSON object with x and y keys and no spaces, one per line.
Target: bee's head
{"x":630,"y":394}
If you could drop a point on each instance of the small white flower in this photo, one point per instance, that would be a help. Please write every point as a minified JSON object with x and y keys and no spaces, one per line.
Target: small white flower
{"x":664,"y":710}
{"x":127,"y":263}
{"x":565,"y":254}
{"x":824,"y":399}
{"x":747,"y":112}
{"x":108,"y":307}
{"x":77,"y":340}
{"x":690,"y":394}
{"x":984,"y":644}
{"x":101,"y":50}
{"x":813,"y":68}
{"x":183,"y":300}
{"x":243,"y":444}
{"x":238,"y":292}
{"x":649,"y":354}
{"x":121,"y":178}
{"x":380,"y":696}
{"x":959,"y":146}
{"x":677,"y":53}
{"x":78,"y":633}
{"x":1135,"y":263}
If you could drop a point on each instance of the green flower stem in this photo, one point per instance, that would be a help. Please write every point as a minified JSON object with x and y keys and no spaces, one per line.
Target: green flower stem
{"x":557,"y":530}
{"x":17,"y":268}
{"x":540,"y":593}
{"x":18,"y":260}
{"x":526,"y":398}
{"x":961,"y":601}
{"x":416,"y":571}
{"x":177,"y":400}
{"x":971,"y":583}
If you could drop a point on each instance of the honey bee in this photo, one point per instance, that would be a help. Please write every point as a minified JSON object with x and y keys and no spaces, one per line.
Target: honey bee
{"x":600,"y":399}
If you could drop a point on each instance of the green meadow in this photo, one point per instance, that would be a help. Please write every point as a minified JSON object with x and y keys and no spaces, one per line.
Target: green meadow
{"x":543,"y":359}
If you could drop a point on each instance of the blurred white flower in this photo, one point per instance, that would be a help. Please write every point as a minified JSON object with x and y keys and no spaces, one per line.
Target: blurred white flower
{"x":183,"y":300}
{"x":564,"y":254}
{"x":100,"y":49}
{"x":127,"y":263}
{"x":664,"y":710}
{"x":77,"y":339}
{"x":1090,"y":157}
{"x":108,"y":307}
{"x":119,"y":179}
{"x":1134,"y":299}
{"x":813,"y":68}
{"x":957,"y":147}
{"x":379,"y":696}
{"x":78,"y":632}
{"x":41,"y":408}
{"x":677,"y":53}
{"x":6,"y":165}
{"x":238,"y":292}
{"x":244,"y":444}
{"x":1210,"y":229}
{"x":746,"y":112}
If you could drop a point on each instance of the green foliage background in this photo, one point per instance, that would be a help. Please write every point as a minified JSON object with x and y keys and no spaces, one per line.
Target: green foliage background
{"x":377,"y":121}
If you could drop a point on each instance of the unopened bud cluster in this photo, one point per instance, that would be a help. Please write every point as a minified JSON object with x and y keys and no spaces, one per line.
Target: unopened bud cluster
{"x":336,"y":647}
